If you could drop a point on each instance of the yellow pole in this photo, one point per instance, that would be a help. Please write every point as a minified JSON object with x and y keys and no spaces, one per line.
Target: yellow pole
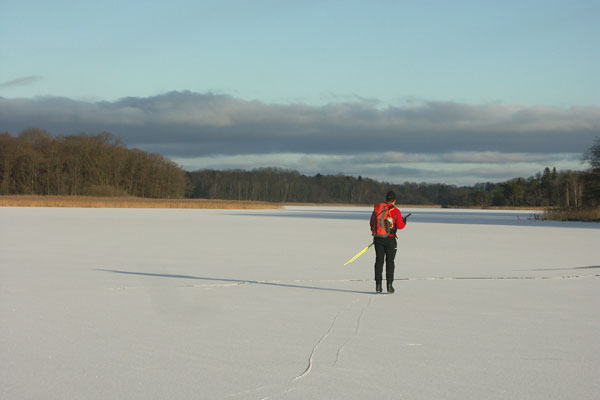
{"x":358,"y":255}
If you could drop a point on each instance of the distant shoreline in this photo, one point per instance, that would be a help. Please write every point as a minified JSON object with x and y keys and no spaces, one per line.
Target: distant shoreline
{"x":138,"y":202}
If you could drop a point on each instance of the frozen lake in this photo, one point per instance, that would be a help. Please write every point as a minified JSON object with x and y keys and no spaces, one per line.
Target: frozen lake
{"x":439,"y":216}
{"x":227,"y":304}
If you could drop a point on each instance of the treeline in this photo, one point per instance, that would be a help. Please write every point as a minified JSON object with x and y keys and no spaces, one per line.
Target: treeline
{"x":549,"y":188}
{"x":100,"y":165}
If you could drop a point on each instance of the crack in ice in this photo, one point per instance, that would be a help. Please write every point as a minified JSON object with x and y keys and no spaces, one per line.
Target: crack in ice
{"x":337,"y":355}
{"x":248,"y":391}
{"x":483,"y":278}
{"x":314,"y":349}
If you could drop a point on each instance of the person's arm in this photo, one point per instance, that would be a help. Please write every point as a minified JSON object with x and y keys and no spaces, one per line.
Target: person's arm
{"x":400,"y":223}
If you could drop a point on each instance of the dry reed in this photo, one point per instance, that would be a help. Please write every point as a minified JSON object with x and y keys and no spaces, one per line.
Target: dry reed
{"x":586,"y":214}
{"x":128,"y":202}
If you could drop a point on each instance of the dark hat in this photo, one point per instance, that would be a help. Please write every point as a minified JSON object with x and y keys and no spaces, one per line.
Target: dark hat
{"x":390,"y":196}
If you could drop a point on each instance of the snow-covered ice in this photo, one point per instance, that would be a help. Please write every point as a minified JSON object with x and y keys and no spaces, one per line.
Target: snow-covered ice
{"x":238,"y":304}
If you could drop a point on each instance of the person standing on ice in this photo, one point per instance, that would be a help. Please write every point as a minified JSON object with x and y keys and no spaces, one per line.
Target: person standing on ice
{"x":385,"y":221}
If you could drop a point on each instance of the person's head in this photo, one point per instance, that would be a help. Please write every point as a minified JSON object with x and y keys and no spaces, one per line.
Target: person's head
{"x":390,"y":197}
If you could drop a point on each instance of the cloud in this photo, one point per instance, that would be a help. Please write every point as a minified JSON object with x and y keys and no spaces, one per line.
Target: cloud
{"x":455,"y":168}
{"x":361,"y":135}
{"x":24,"y":81}
{"x":185,"y":123}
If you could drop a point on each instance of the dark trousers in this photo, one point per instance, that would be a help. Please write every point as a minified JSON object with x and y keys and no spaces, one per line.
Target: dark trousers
{"x":385,"y":250}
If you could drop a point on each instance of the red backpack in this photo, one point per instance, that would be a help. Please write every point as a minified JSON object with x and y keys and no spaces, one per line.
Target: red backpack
{"x":381,"y":220}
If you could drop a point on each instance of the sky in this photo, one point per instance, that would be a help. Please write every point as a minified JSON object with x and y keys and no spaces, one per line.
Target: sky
{"x":430,"y":91}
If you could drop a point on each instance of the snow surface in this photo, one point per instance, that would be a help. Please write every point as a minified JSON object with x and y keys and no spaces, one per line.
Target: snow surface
{"x":238,"y":304}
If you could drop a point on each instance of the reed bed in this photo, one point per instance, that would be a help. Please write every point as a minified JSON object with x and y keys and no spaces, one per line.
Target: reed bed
{"x":128,"y":202}
{"x":587,"y":214}
{"x":138,"y":202}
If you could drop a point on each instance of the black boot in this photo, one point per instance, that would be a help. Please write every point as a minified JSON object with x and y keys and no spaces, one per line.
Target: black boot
{"x":390,"y":288}
{"x":378,"y":287}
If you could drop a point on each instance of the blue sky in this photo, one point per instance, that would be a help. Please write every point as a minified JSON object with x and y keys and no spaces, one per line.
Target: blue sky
{"x":523,"y":56}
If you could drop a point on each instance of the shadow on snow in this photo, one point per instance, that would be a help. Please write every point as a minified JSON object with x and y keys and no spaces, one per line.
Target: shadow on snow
{"x":228,"y":280}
